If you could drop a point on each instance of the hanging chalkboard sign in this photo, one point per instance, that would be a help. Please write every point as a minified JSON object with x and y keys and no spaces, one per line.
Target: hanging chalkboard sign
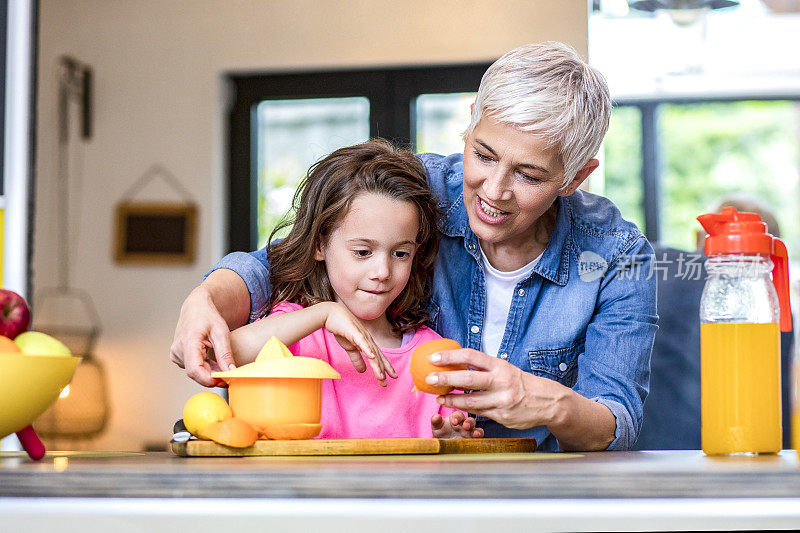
{"x":156,"y":233}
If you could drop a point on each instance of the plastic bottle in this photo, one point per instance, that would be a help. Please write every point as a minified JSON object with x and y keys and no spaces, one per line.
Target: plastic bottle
{"x":742,"y":311}
{"x":794,"y":383}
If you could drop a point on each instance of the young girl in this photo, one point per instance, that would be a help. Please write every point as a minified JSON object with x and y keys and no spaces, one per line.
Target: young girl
{"x":351,"y":276}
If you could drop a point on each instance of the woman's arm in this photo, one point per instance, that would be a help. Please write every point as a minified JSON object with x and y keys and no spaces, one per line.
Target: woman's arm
{"x":235,"y":291}
{"x":581,"y":424}
{"x":520,"y":400}
{"x":604,"y":409}
{"x":229,"y":296}
{"x":221,"y":301}
{"x":615,"y":368}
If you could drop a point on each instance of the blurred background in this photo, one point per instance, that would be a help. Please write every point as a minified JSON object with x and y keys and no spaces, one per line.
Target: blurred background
{"x":215,"y":109}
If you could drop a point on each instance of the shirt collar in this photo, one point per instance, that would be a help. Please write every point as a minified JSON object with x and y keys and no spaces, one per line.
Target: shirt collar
{"x":454,"y":220}
{"x":554,"y":264}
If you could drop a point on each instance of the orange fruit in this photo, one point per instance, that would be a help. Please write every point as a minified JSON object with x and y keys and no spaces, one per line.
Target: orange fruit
{"x":421,"y":365}
{"x":7,"y":345}
{"x":233,"y":432}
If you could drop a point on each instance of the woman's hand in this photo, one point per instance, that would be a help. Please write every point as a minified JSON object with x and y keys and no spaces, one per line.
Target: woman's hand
{"x":502,"y":391}
{"x":456,"y":426}
{"x":355,"y":339}
{"x":520,"y":400}
{"x":201,"y":328}
{"x":219,"y":304}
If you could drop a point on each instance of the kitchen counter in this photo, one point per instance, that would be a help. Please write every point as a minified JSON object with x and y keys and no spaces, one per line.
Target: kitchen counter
{"x":588,"y":491}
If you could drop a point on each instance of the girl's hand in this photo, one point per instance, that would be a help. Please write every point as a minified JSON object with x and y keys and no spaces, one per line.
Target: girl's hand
{"x":502,"y":391}
{"x":355,"y":339}
{"x":455,"y":426}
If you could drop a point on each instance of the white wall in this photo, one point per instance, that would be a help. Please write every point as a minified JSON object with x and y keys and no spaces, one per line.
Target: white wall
{"x":159,"y":66}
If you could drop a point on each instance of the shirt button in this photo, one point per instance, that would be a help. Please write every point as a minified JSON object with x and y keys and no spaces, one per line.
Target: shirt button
{"x":521,"y":292}
{"x":562,"y":366}
{"x":474,"y":329}
{"x":471,"y":246}
{"x":504,"y":355}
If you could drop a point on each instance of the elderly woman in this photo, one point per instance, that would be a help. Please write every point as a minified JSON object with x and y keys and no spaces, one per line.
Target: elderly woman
{"x":545,"y":286}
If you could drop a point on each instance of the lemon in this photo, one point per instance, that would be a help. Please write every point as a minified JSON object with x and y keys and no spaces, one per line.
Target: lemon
{"x":202,"y":409}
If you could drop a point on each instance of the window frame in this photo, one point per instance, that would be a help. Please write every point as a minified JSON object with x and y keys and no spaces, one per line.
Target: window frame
{"x":391,"y":93}
{"x":652,"y":151}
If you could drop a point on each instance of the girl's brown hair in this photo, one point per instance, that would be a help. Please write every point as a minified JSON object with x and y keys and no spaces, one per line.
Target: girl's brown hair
{"x":324,"y":199}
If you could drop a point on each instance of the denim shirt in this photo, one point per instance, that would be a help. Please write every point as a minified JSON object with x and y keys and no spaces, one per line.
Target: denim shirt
{"x":585,"y":317}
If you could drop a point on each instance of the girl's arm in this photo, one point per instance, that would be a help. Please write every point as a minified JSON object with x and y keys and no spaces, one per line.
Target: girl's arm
{"x":289,"y":328}
{"x":293,"y":326}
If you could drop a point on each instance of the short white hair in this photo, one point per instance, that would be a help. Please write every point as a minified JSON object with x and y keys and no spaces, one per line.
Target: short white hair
{"x":548,"y":89}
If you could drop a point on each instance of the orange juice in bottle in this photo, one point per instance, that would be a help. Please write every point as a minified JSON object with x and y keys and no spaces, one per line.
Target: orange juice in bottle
{"x":740,"y":384}
{"x":795,"y":400}
{"x":745,"y":305}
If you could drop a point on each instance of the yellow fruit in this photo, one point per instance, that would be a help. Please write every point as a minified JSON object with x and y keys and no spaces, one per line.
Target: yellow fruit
{"x":204,"y":409}
{"x":37,"y":343}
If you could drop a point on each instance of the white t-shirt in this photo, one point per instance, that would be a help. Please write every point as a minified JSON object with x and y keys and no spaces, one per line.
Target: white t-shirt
{"x":500,"y":288}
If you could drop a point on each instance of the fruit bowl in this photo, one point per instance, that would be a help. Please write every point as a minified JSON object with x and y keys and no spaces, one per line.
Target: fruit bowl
{"x":31,"y":384}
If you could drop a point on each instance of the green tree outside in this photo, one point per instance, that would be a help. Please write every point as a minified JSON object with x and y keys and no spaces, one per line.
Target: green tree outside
{"x":709,"y":150}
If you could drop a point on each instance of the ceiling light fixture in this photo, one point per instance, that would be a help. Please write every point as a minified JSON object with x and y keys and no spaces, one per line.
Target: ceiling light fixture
{"x":682,"y":12}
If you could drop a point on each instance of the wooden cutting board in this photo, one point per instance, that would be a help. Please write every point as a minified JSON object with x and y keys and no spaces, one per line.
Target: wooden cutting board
{"x":397,"y":446}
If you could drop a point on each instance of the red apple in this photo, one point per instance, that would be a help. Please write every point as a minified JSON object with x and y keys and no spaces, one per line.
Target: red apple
{"x":15,"y":316}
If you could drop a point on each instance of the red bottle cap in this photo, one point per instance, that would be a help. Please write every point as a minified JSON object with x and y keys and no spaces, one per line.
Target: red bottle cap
{"x":731,"y":232}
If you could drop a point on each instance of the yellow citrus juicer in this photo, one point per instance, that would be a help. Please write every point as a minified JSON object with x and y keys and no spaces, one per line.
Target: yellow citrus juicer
{"x":279,"y":394}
